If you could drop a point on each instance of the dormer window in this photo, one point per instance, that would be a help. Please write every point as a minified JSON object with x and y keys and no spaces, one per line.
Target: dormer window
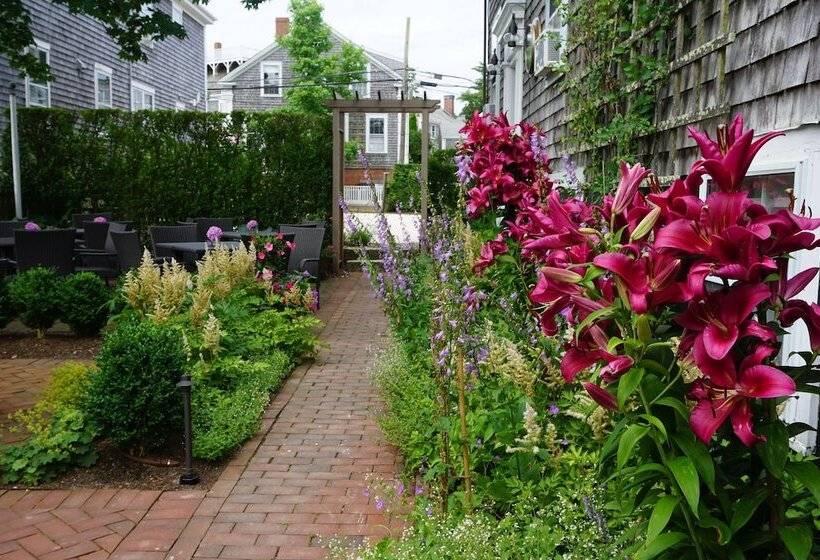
{"x":271,"y":79}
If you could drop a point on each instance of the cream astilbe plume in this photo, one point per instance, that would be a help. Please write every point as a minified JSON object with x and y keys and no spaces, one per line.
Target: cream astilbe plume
{"x":293,"y":296}
{"x":242,"y":265}
{"x":212,"y":335}
{"x":200,"y":304}
{"x":504,"y":359}
{"x":175,"y":283}
{"x":532,"y":432}
{"x":142,"y":286}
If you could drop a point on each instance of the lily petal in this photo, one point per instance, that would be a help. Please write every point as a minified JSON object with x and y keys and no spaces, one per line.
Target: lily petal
{"x":707,"y":417}
{"x":765,"y":382}
{"x":742,"y":424}
{"x":601,"y":396}
{"x":718,"y":341}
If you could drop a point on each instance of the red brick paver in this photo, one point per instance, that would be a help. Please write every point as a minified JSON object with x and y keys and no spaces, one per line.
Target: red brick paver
{"x":298,"y":483}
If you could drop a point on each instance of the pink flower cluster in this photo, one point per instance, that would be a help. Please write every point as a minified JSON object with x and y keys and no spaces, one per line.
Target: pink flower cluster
{"x":506,"y":163}
{"x":655,"y":252}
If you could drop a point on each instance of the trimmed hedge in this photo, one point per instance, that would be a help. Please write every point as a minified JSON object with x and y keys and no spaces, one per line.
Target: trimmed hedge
{"x":161,"y":166}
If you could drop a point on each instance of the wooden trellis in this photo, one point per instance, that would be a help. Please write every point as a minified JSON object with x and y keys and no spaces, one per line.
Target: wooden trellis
{"x":340,"y":108}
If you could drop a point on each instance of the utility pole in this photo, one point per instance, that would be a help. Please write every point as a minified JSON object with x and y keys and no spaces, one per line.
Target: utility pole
{"x":403,"y":116}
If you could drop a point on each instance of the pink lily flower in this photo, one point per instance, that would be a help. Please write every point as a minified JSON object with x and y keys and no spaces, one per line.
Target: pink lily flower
{"x":489,"y":251}
{"x":631,"y":177}
{"x":809,"y":313}
{"x":718,"y":402}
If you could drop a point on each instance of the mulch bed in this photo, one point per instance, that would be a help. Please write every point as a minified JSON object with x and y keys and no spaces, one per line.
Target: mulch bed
{"x":56,"y":345}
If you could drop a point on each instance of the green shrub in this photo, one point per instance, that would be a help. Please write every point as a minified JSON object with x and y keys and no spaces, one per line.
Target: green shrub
{"x":291,"y":331}
{"x":6,"y":308}
{"x":224,"y":419}
{"x":134,"y":395}
{"x":359,"y":238}
{"x":65,"y":441}
{"x":403,"y":188}
{"x":34,"y":295}
{"x":445,"y":192}
{"x":84,"y":300}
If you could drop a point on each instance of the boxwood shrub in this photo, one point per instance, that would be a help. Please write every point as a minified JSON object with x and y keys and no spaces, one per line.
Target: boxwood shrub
{"x":34,"y":296}
{"x":84,"y":303}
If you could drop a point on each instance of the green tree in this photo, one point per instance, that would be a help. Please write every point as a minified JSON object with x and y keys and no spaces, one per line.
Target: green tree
{"x":316,"y":71}
{"x":126,"y":21}
{"x":415,"y":139}
{"x":473,"y":98}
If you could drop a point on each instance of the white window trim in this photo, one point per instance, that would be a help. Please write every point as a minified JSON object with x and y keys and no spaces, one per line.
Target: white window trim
{"x":43,"y":46}
{"x":262,"y":66}
{"x":135,"y":85}
{"x":106,"y":71}
{"x":367,"y":120}
{"x":177,"y":14}
{"x":347,"y":127}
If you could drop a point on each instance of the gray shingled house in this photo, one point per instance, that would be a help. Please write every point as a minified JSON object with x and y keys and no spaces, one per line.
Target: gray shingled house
{"x":258,"y":83}
{"x":88,"y":73}
{"x":760,"y":58}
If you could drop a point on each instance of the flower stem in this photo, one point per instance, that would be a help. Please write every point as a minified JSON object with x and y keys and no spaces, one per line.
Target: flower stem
{"x":462,"y":413}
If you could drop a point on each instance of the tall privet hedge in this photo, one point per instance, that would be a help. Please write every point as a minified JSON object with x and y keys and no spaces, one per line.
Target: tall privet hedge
{"x":162,"y":166}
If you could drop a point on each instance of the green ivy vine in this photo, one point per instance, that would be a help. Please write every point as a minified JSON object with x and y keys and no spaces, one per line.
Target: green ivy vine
{"x":618,"y":56}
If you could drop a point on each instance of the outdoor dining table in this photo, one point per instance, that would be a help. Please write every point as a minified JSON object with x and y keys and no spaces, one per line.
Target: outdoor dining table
{"x":6,"y":242}
{"x":196,"y":248}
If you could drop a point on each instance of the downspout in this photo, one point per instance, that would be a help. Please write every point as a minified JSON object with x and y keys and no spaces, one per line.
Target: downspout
{"x":484,"y":61}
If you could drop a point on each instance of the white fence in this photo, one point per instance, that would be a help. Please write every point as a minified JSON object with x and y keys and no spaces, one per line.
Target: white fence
{"x":362,"y":195}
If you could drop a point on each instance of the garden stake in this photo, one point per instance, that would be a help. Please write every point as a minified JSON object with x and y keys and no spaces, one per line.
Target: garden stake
{"x":189,"y":477}
{"x":462,"y":412}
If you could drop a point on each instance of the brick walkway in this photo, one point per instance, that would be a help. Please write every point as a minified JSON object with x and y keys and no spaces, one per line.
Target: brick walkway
{"x":21,"y":382}
{"x":285,"y":494}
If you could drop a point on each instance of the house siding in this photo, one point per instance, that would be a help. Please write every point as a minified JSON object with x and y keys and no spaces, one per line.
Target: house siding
{"x":175,"y":67}
{"x":772,"y":77}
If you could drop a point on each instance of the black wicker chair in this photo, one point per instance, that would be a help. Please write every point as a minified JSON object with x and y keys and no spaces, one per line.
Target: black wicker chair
{"x":128,"y":248}
{"x":51,"y":248}
{"x":7,"y":227}
{"x":171,"y":234}
{"x":204,"y":224}
{"x":307,"y":251}
{"x":95,"y":235}
{"x":77,"y":220}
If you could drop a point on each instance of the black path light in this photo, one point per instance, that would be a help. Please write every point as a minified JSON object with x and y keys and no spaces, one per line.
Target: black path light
{"x":189,"y":477}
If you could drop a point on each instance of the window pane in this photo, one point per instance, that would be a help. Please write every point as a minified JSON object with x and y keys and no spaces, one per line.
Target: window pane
{"x":772,"y":190}
{"x":376,"y":126}
{"x":104,"y":90}
{"x":271,"y":80}
{"x":37,"y":94}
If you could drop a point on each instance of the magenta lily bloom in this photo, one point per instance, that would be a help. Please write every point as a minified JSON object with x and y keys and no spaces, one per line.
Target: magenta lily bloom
{"x":721,"y":319}
{"x":718,"y":402}
{"x":809,"y":313}
{"x":631,"y":177}
{"x":601,"y":396}
{"x":489,"y":251}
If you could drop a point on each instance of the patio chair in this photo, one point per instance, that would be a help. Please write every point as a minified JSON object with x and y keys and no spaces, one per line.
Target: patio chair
{"x":171,"y":234}
{"x":305,"y":256}
{"x":7,"y":227}
{"x":204,"y":224}
{"x":95,"y":235}
{"x":129,"y":250}
{"x":52,"y":248}
{"x":77,"y":220}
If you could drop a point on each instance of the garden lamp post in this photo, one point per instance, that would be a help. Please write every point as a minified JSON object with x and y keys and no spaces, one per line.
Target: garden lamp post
{"x":189,"y":477}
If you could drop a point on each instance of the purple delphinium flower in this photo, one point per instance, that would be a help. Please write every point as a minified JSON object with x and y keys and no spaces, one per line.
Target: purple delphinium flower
{"x":379,"y":504}
{"x":554,"y":410}
{"x":571,"y":171}
{"x":428,"y":511}
{"x":214,"y":234}
{"x":418,"y":490}
{"x":100,"y":220}
{"x":31,"y":226}
{"x":538,"y":145}
{"x":399,"y":488}
{"x":252,"y":225}
{"x":464,"y":173}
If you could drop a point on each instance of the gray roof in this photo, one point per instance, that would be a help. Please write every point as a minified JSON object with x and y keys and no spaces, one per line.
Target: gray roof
{"x":389,"y":65}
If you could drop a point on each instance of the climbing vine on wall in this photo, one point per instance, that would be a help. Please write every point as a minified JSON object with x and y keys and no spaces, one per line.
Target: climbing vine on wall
{"x":617,"y":58}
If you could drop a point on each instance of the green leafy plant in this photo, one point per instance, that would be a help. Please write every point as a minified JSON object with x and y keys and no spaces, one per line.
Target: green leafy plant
{"x":34,"y":294}
{"x":403,"y":188}
{"x":133,"y":396}
{"x":224,"y":418}
{"x":7,"y":312}
{"x":359,"y":238}
{"x":84,"y":300}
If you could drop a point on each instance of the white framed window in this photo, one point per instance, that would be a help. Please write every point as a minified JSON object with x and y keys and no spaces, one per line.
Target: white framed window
{"x":142,"y":96}
{"x":103,"y":90}
{"x":176,"y":12}
{"x":270,"y":79}
{"x":38,"y":94}
{"x":362,"y":86}
{"x":376,"y":134}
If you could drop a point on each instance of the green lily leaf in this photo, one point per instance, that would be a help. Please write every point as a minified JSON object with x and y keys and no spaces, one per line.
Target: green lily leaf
{"x":809,"y":476}
{"x":683,"y":469}
{"x":723,"y":530}
{"x":699,"y":455}
{"x":745,"y":508}
{"x":775,"y":450}
{"x":661,"y":514}
{"x":628,"y":383}
{"x":629,"y":439}
{"x":797,"y":539}
{"x":661,"y":543}
{"x":677,"y":404}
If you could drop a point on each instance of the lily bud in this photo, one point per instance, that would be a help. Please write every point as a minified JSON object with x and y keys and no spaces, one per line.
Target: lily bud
{"x":646,"y":225}
{"x":642,"y":328}
{"x":589,"y":231}
{"x":561,"y":275}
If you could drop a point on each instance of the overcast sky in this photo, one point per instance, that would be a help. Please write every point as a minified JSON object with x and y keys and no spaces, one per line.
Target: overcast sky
{"x":445,"y":35}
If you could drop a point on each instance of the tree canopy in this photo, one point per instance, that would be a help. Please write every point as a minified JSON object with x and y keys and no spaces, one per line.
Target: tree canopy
{"x":317,"y":70}
{"x":474,"y":97}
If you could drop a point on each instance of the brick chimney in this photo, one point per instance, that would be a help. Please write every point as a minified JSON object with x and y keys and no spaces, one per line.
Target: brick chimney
{"x":282,"y":27}
{"x":450,"y":104}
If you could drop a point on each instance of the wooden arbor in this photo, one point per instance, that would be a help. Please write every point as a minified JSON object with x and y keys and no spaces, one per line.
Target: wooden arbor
{"x":343,"y":106}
